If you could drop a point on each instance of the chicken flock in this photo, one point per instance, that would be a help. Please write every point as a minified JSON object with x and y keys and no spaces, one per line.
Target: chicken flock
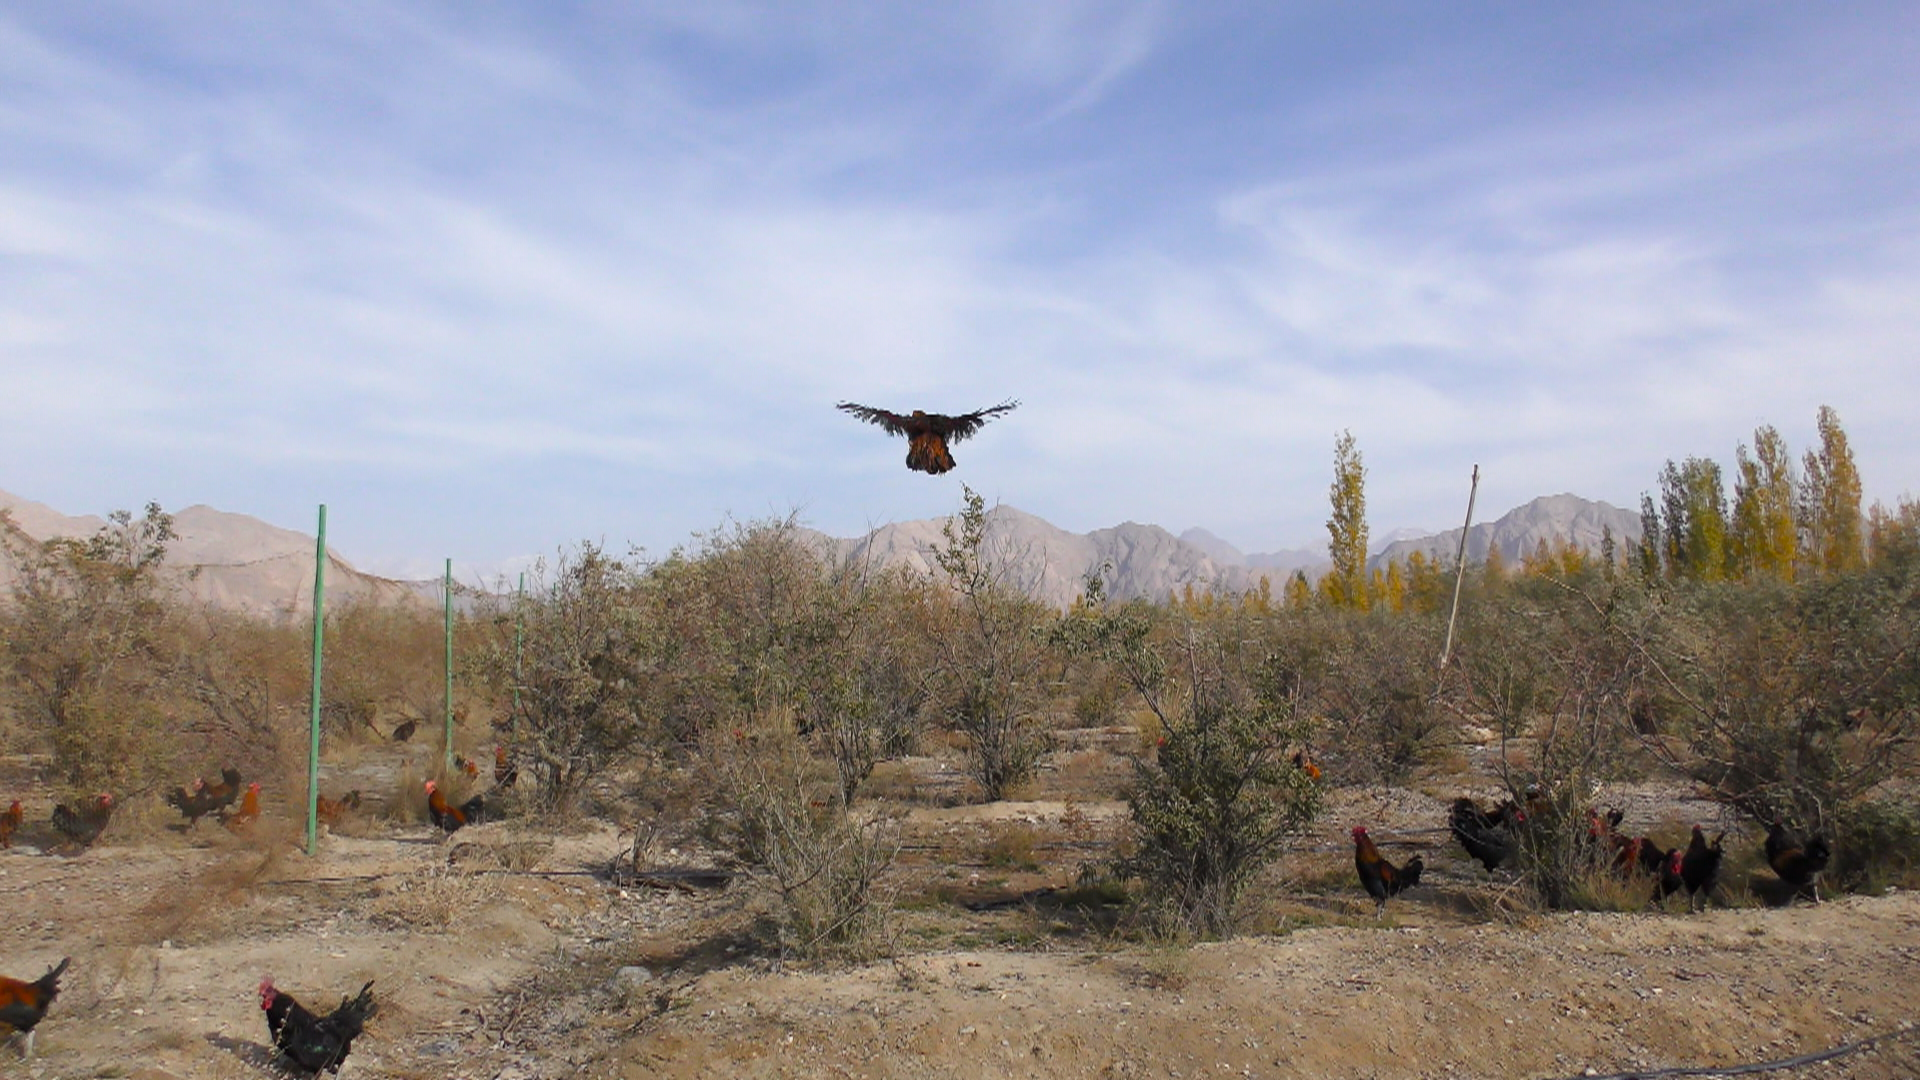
{"x":301,"y":1038}
{"x":1496,"y":837}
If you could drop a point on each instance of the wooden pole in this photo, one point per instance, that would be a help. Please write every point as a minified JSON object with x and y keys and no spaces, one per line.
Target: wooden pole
{"x":1460,"y":568}
{"x":313,"y":712}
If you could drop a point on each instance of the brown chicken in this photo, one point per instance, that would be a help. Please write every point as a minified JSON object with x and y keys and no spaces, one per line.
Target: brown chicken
{"x":220,"y":796}
{"x":1381,"y":878}
{"x":505,"y":772}
{"x":24,"y":1004}
{"x":10,"y":823}
{"x":205,"y":798}
{"x":332,"y":810}
{"x":1306,"y":764}
{"x":1799,"y":863}
{"x":242,"y":819}
{"x":83,"y":826}
{"x":928,"y":433}
{"x":450,"y":817}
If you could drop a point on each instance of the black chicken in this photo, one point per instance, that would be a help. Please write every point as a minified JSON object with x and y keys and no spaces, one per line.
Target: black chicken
{"x":84,"y":825}
{"x":1798,"y":863}
{"x":1700,"y":866}
{"x":203,"y":798}
{"x":1379,"y":877}
{"x":314,"y":1042}
{"x":1487,"y":837}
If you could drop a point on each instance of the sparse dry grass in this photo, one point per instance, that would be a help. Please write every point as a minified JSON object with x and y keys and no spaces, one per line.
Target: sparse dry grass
{"x":499,"y":851}
{"x":1088,"y":773}
{"x":1605,"y":889}
{"x":205,"y":904}
{"x":1168,"y":966}
{"x":433,"y":899}
{"x":1014,"y":845}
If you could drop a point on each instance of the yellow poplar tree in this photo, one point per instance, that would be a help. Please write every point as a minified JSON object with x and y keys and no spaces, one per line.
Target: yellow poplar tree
{"x":1695,"y":519}
{"x":1761,"y":541}
{"x":1830,"y":525}
{"x":1495,"y":568}
{"x":1298,"y":595}
{"x":1346,"y":584}
{"x":1396,"y":586}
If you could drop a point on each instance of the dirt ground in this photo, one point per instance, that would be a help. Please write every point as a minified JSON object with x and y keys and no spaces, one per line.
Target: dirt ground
{"x":507,"y":954}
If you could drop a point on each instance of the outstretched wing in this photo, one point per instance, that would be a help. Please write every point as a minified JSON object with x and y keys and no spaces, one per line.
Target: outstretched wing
{"x":956,"y":428}
{"x":893,"y":423}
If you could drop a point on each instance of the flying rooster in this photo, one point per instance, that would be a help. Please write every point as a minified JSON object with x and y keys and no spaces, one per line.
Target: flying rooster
{"x":928,"y":433}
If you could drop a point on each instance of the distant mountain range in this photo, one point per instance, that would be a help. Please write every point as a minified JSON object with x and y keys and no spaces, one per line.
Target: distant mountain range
{"x":230,"y":560}
{"x":241,"y":562}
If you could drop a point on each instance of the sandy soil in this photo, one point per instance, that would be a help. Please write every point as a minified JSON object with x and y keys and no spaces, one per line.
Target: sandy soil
{"x":1609,"y":992}
{"x":504,"y":955}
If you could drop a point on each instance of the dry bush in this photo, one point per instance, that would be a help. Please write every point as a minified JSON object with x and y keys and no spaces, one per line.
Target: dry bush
{"x":498,"y":852}
{"x":93,"y":659}
{"x":381,"y":658}
{"x":777,"y":809}
{"x":1800,"y":704}
{"x":1881,"y":847}
{"x":576,"y":666}
{"x":1089,"y":773}
{"x":1012,"y":846}
{"x":895,"y":782}
{"x":408,"y":803}
{"x":1372,"y":678}
{"x":435,"y":899}
{"x":1514,"y":903}
{"x":988,"y":653}
{"x":1220,"y":798}
{"x":1602,"y":888}
{"x":1168,"y":966}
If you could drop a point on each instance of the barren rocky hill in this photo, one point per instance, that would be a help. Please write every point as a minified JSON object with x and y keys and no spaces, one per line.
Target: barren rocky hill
{"x":229,"y":560}
{"x":1549,"y":518}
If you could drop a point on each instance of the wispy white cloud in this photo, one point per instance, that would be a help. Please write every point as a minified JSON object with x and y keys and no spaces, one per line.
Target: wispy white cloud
{"x":622,"y":267}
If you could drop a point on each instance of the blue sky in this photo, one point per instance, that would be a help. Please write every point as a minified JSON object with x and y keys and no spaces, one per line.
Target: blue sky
{"x":487,"y":279}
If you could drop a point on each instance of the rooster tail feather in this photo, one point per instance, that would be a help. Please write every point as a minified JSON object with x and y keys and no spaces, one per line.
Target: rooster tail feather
{"x":50,"y":982}
{"x":360,"y":1008}
{"x":1410,"y":873}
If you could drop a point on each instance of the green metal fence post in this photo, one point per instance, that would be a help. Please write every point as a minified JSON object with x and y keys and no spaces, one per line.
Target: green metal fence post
{"x":446,"y":589}
{"x":313,"y":714}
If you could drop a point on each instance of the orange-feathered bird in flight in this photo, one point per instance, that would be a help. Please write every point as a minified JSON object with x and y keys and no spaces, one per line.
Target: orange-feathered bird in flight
{"x":928,"y":433}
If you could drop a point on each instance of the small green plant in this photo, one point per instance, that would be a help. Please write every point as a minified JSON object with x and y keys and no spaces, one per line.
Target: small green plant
{"x":1219,"y":797}
{"x":988,"y":657}
{"x":1013,"y":848}
{"x":1880,"y":847}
